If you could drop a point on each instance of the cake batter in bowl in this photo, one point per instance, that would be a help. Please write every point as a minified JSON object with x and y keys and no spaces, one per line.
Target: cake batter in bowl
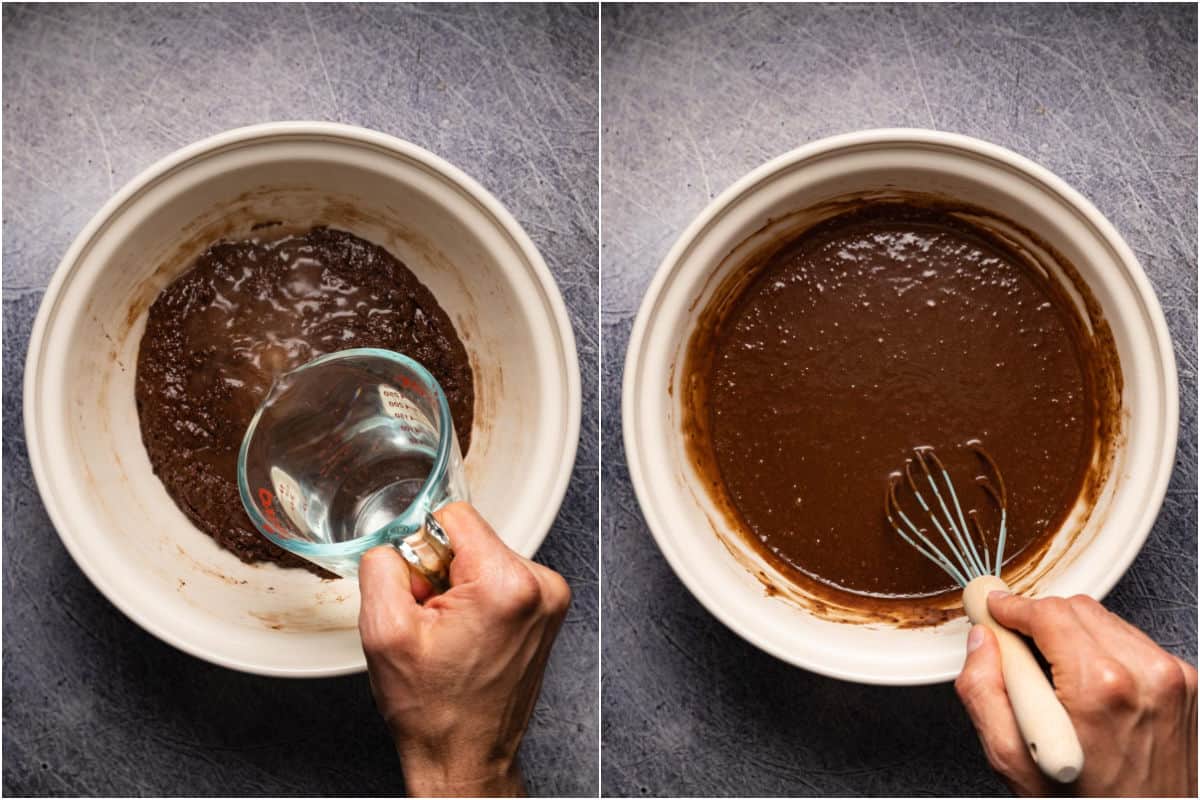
{"x":739,"y":578}
{"x":86,"y":449}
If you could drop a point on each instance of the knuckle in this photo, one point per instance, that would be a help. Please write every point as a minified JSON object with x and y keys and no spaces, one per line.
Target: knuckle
{"x":1165,"y":678}
{"x":963,"y":687}
{"x":1189,"y":677}
{"x":1006,"y":756}
{"x":971,"y":685}
{"x":1081,"y":602}
{"x":1052,"y":614}
{"x":1113,"y":685}
{"x":378,"y":640}
{"x":524,"y":593}
{"x":1054,"y":607}
{"x":558,"y":593}
{"x":384,"y":635}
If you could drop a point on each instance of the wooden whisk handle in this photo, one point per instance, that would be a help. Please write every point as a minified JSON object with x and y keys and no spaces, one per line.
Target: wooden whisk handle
{"x":1043,"y":721}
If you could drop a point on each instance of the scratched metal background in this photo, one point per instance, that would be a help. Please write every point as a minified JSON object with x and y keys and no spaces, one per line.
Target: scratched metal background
{"x":695,"y":97}
{"x":92,"y":704}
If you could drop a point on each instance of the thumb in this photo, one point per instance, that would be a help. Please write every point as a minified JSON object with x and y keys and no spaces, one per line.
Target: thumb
{"x":477,"y":549}
{"x":388,"y":609}
{"x":980,"y":687}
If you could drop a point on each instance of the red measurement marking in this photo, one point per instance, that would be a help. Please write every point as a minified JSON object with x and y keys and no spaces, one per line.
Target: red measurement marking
{"x":409,"y":383}
{"x":268,"y":503}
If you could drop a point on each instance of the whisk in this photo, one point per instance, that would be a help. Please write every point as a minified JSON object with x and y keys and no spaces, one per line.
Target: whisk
{"x":964,"y":554}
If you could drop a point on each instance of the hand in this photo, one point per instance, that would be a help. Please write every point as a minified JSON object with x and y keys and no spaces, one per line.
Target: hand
{"x":456,"y":679}
{"x":1132,"y":703}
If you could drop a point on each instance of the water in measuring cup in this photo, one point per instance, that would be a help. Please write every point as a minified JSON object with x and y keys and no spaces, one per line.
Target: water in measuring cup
{"x":375,"y":491}
{"x":353,"y":469}
{"x":362,"y":484}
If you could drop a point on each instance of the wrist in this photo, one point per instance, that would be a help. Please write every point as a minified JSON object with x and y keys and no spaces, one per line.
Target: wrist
{"x":441,"y":775}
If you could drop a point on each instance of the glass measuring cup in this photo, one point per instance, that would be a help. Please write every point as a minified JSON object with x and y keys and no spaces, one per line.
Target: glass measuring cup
{"x":353,"y":450}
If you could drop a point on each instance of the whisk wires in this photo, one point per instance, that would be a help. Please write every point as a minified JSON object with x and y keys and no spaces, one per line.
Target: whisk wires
{"x":965,"y":556}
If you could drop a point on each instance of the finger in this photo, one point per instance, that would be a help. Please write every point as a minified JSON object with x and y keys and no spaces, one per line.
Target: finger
{"x":422,"y":589}
{"x":1105,"y":626}
{"x":388,"y":607}
{"x":980,"y":687}
{"x":418,"y":586}
{"x":555,"y":591}
{"x":477,"y":548}
{"x":1189,"y":676}
{"x":1190,"y":680}
{"x":1049,"y":621}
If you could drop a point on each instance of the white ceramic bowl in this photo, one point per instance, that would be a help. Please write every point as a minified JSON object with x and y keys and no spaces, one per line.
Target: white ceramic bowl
{"x":683,"y":519}
{"x":113,"y":514}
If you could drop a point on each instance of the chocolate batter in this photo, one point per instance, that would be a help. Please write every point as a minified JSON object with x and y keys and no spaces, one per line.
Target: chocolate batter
{"x":882,"y":329}
{"x":247,"y":311}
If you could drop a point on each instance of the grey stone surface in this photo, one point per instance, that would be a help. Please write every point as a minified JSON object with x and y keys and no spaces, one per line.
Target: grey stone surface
{"x":693,"y":98}
{"x":92,"y":95}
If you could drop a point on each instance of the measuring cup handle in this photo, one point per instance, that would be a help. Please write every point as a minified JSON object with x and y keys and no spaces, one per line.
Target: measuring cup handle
{"x":428,"y":551}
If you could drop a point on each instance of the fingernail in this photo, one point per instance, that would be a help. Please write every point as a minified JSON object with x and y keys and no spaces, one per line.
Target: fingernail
{"x":975,"y":639}
{"x":998,"y":594}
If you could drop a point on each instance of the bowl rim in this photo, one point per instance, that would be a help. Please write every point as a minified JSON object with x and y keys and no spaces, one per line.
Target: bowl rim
{"x":180,"y":159}
{"x":877,"y":137}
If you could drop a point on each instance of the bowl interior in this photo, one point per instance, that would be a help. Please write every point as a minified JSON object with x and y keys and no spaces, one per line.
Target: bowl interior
{"x":690,"y":529}
{"x":115,"y":515}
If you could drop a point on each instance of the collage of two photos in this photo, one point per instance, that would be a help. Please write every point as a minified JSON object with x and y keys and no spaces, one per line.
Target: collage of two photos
{"x":599,"y":399}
